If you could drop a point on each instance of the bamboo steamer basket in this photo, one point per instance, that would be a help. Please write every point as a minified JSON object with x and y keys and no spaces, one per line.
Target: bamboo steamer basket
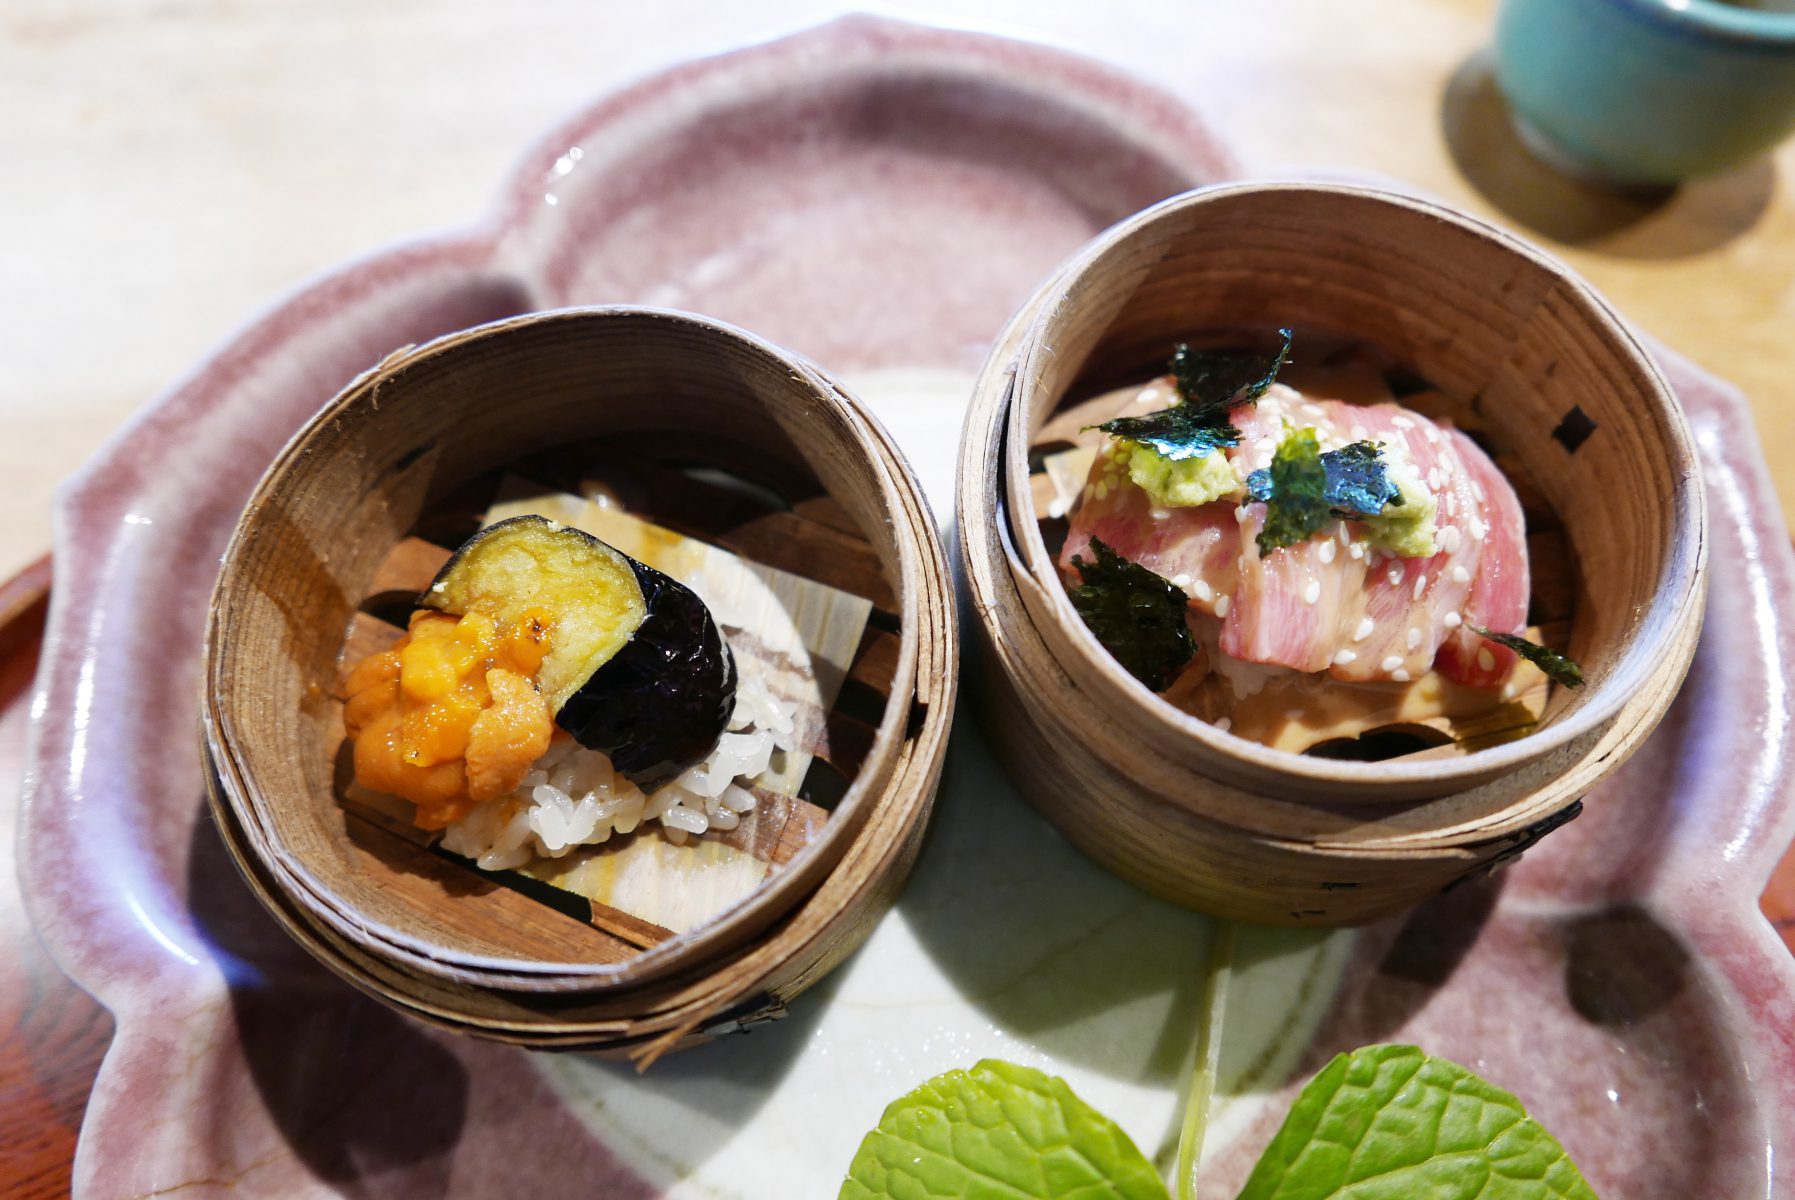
{"x":400,"y":451}
{"x":1216,"y":822}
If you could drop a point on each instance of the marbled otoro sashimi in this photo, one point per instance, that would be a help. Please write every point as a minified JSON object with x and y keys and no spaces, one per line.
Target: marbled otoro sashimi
{"x":1363,"y":542}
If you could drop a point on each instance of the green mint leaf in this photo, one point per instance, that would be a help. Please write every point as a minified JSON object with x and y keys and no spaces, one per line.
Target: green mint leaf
{"x":1557,"y":667}
{"x":1393,"y":1123}
{"x":1357,"y":482}
{"x":998,"y":1132}
{"x":1295,"y":492}
{"x":1137,"y":615}
{"x":1211,"y":384}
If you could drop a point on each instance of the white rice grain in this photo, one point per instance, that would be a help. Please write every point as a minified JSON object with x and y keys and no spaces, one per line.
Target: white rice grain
{"x":575,"y":797}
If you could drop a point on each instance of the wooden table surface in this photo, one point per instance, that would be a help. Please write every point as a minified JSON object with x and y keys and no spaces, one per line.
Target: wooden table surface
{"x":171,"y":167}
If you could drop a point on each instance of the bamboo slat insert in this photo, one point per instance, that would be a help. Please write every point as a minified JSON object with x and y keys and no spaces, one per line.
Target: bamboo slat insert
{"x":506,"y":921}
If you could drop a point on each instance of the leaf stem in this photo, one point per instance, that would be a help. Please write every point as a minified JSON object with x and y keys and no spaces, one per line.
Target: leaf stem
{"x":1209,"y":1052}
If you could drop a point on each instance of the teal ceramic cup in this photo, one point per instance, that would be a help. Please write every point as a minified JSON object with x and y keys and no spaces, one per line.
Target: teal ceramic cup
{"x":1647,"y":92}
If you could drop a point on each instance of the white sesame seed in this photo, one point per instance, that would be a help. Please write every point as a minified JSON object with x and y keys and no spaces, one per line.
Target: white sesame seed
{"x":1452,"y":620}
{"x":1356,"y":550}
{"x":1181,"y":579}
{"x":1460,"y":575}
{"x":1402,"y":422}
{"x":1240,"y":514}
{"x":1221,"y":606}
{"x":1160,"y":514}
{"x":1450,"y":539}
{"x":1395,"y":576}
{"x":1485,"y":659}
{"x":1312,"y":593}
{"x":1343,"y":657}
{"x":1364,"y":630}
{"x":1432,"y":434}
{"x":1414,"y":638}
{"x":1394,"y":662}
{"x":1420,"y":584}
{"x":1508,"y":691}
{"x":1435,"y":477}
{"x":1400,"y":675}
{"x":1327,"y":551}
{"x":1204,"y":592}
{"x":1101,"y":490}
{"x":1223,"y":724}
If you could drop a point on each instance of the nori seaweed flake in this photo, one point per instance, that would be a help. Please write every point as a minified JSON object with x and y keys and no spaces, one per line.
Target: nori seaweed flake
{"x":1211,"y":383}
{"x":1215,"y":381}
{"x":1304,"y":489}
{"x":1359,"y":483}
{"x":1137,"y":615}
{"x":1557,"y":667}
{"x":1294,"y":491}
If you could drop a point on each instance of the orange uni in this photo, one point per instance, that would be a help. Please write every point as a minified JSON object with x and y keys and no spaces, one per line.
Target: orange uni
{"x":450,"y":716}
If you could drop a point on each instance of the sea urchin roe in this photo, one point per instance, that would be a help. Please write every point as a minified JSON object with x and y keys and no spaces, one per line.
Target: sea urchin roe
{"x":450,"y":716}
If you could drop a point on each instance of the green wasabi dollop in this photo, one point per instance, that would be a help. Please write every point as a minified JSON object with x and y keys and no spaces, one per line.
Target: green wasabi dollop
{"x":1183,"y":482}
{"x":1406,"y":529}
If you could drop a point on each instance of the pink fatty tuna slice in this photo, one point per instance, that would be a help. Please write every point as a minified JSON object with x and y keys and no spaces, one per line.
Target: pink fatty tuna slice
{"x":1192,"y":547}
{"x":1289,"y":603}
{"x":1500,"y":580}
{"x":1333,"y":603}
{"x":1412,"y":604}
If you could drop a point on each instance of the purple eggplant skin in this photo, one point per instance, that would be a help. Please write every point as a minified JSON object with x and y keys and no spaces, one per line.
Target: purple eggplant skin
{"x":660,"y":703}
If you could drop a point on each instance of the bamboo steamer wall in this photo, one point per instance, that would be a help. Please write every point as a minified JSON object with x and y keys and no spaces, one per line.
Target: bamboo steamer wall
{"x":1219,"y":823}
{"x":361,"y":476}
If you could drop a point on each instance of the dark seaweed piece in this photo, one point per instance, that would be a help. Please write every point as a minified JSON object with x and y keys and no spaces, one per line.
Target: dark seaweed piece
{"x":1176,"y":433}
{"x":1357,"y":482}
{"x":1214,"y":381}
{"x":1557,"y":667}
{"x":1211,"y":384}
{"x":660,"y":703}
{"x":1136,"y":614}
{"x":1294,"y":492}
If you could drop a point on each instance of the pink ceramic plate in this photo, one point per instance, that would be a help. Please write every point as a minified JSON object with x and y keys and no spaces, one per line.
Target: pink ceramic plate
{"x":879,"y":197}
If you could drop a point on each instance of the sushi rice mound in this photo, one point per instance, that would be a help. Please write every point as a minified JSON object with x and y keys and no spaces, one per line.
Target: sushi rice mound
{"x":573,"y":796}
